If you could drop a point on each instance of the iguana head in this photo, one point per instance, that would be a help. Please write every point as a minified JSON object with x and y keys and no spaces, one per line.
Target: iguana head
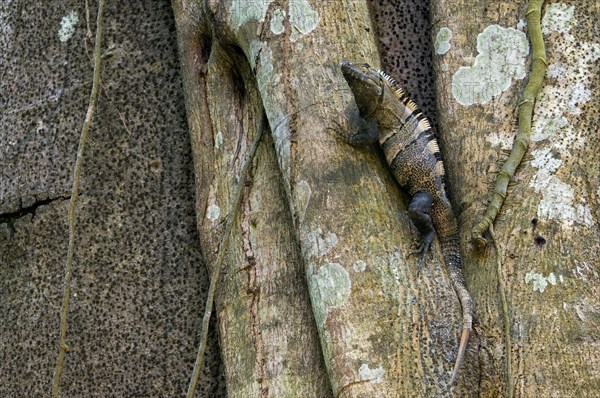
{"x":366,"y":84}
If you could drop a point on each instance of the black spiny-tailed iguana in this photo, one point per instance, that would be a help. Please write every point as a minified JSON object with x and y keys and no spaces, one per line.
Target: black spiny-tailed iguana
{"x":412,"y":152}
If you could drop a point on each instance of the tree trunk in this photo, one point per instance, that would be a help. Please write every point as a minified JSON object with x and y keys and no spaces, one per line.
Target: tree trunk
{"x":548,"y":227}
{"x":138,"y":280}
{"x":268,"y":339}
{"x":382,"y":326}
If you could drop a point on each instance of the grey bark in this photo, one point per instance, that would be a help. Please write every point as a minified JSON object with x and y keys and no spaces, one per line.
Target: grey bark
{"x":139,"y":282}
{"x":548,"y":227}
{"x":381,"y":326}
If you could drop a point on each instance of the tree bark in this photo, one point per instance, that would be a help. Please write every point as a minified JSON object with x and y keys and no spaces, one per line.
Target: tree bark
{"x":269,"y":342}
{"x":381,"y":325}
{"x":548,"y":227}
{"x":138,"y":279}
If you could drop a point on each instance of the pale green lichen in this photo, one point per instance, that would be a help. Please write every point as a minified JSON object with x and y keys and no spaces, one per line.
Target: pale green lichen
{"x":580,"y":94}
{"x":539,"y":282}
{"x":277,"y":22}
{"x":557,"y":197}
{"x":248,"y":10}
{"x":303,"y":194}
{"x":373,"y":375}
{"x":218,"y":140}
{"x":557,"y":203}
{"x":303,"y":18}
{"x":329,"y":287}
{"x":547,"y":128}
{"x":442,"y":41}
{"x":319,"y":244}
{"x":558,"y":18}
{"x":67,"y":26}
{"x":557,"y":70}
{"x":359,"y":266}
{"x":501,"y":59}
{"x":213,"y":212}
{"x":326,"y":243}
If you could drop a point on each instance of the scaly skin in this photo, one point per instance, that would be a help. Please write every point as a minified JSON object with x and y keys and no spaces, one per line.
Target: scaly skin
{"x":412,"y":152}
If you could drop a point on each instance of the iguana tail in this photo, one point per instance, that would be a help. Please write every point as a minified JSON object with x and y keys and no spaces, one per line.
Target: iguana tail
{"x":451,"y":252}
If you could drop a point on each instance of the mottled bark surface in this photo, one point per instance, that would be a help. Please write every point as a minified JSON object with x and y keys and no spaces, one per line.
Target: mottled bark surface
{"x":269,"y":342}
{"x":548,"y":227}
{"x":138,"y":280}
{"x":384,"y":329}
{"x":402,"y":28}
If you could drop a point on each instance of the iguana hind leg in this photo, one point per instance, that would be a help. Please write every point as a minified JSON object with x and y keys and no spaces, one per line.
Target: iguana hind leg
{"x":418,"y":211}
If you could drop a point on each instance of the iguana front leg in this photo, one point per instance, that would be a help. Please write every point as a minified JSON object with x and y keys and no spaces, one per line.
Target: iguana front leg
{"x":418,"y":210}
{"x":368,"y":133}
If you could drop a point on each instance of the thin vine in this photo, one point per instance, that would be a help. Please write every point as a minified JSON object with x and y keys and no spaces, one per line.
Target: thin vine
{"x":216,"y":273}
{"x":63,"y":348}
{"x":523,"y":138}
{"x":505,"y":315}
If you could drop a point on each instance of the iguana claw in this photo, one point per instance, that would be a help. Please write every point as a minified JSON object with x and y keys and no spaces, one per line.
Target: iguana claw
{"x":423,"y":249}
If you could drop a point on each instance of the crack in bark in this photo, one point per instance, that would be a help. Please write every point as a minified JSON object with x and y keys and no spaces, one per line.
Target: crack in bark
{"x":350,"y":384}
{"x":254,"y":290}
{"x":10,"y":217}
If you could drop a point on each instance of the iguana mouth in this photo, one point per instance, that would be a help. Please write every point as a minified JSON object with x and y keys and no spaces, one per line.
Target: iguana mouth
{"x":348,"y":68}
{"x":360,"y":72}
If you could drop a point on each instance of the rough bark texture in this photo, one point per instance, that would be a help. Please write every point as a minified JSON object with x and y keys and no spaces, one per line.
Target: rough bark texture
{"x":403,"y":38}
{"x":548,"y":227}
{"x":384,"y":329}
{"x":268,"y":337}
{"x":138,"y":282}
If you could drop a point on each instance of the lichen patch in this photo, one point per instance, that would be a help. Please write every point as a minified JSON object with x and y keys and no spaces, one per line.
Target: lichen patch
{"x":539,"y":282}
{"x":442,"y":41}
{"x":549,"y":128}
{"x":501,"y":59}
{"x":375,"y":375}
{"x":244,"y":11}
{"x":213,"y":212}
{"x":329,"y":287}
{"x":318,"y":244}
{"x":277,"y":22}
{"x":303,"y":18}
{"x":218,"y":140}
{"x":558,"y":18}
{"x":359,"y":266}
{"x":67,"y":26}
{"x":580,"y":94}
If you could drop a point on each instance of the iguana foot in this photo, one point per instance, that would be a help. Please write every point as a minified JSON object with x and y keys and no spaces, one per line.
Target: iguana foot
{"x":423,"y":249}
